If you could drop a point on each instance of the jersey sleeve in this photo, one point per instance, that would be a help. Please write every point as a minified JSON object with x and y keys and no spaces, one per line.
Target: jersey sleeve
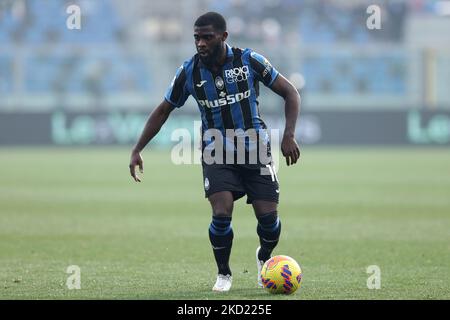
{"x":263,"y":69}
{"x":177,"y":92}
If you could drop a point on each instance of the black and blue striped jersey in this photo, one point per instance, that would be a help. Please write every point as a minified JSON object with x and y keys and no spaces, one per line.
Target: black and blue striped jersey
{"x":227,"y":99}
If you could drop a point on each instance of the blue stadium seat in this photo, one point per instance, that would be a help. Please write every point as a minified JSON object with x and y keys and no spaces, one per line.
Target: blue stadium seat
{"x":346,"y":74}
{"x":6,"y":74}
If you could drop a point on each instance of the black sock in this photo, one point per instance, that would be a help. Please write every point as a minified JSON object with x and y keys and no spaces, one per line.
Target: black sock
{"x":221,"y":237}
{"x":268,"y":229}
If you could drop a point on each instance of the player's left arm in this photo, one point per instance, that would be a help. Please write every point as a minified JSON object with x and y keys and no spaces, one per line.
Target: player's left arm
{"x":289,"y":93}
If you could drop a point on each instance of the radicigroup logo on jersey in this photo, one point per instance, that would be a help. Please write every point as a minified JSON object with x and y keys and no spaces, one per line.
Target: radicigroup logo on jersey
{"x":237,"y":74}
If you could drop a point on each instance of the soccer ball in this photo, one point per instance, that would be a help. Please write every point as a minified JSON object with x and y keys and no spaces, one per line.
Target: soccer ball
{"x":281,"y":274}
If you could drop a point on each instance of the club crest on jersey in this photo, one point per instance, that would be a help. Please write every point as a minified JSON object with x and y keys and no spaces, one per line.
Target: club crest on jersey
{"x":219,"y":83}
{"x":237,"y":74}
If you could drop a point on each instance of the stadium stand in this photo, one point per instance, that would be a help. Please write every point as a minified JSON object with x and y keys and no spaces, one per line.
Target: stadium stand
{"x":134,"y":50}
{"x":62,"y":60}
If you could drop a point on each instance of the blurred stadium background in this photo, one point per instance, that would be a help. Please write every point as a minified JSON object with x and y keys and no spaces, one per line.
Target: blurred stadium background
{"x":345,"y":208}
{"x":124,"y":57}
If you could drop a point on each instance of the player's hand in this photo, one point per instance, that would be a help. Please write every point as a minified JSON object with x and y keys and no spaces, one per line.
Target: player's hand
{"x":290,"y":149}
{"x":136,"y":160}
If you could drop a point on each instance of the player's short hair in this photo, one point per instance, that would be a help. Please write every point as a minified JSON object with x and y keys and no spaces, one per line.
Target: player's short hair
{"x":212,"y":18}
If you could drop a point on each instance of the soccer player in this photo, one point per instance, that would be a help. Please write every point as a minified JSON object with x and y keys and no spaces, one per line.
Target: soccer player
{"x":224,"y":81}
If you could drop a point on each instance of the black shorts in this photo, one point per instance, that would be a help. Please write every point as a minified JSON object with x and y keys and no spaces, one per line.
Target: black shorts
{"x":257,"y":181}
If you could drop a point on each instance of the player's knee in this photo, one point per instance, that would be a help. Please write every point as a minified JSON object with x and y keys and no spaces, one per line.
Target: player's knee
{"x":222,"y":204}
{"x":263,"y":208}
{"x":269,"y":224}
{"x":221,"y":212}
{"x":268,"y":217}
{"x":222,"y":208}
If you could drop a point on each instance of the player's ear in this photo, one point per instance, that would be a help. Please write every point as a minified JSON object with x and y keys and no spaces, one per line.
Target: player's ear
{"x":224,"y":36}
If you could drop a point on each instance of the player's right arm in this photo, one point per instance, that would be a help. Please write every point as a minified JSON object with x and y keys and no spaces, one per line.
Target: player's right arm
{"x":175,"y":97}
{"x":154,"y":123}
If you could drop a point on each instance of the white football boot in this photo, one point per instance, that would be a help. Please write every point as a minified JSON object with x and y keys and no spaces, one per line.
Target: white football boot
{"x":223,"y":283}
{"x":259,"y":265}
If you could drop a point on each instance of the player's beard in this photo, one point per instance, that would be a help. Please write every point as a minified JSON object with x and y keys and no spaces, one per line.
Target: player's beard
{"x":213,"y":57}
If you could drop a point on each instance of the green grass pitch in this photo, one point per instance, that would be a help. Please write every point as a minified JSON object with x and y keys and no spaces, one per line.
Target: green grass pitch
{"x":342,"y":210}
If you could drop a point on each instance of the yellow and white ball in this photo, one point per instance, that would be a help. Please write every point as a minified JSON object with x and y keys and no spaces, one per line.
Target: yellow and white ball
{"x":281,"y":274}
